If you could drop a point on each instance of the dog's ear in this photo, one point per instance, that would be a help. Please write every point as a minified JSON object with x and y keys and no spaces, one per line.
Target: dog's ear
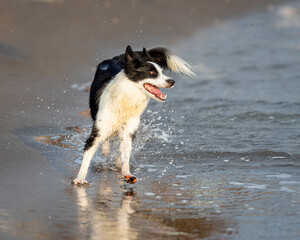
{"x":132,"y":60}
{"x":129,"y":54}
{"x":146,"y":55}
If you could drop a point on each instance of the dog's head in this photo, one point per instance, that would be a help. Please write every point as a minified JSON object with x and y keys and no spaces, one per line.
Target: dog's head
{"x":147,"y":74}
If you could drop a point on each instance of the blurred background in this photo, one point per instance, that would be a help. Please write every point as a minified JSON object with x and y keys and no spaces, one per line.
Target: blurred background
{"x":59,"y":36}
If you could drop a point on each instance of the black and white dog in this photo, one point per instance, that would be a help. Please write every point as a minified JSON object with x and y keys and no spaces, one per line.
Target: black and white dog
{"x":119,"y":94}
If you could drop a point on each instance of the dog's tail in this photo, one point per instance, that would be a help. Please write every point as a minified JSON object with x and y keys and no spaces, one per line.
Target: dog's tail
{"x":167,"y":60}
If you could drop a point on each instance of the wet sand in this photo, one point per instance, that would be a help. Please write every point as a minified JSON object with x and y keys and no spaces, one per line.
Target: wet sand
{"x":48,"y":53}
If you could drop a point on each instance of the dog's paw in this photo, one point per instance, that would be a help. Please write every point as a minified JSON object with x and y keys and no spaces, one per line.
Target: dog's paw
{"x":130,"y":179}
{"x":78,"y":181}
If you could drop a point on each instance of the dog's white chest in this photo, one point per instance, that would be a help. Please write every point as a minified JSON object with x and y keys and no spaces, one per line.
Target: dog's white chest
{"x":121,"y":102}
{"x":129,"y":107}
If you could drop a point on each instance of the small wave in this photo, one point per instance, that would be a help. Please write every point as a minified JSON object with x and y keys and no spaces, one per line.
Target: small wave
{"x":236,"y":183}
{"x":257,"y":186}
{"x":152,"y":170}
{"x":183,"y":176}
{"x":249,"y":185}
{"x":149,"y":194}
{"x":286,"y":189}
{"x":283,"y":175}
{"x":278,"y":157}
{"x":259,"y":116}
{"x":288,"y":182}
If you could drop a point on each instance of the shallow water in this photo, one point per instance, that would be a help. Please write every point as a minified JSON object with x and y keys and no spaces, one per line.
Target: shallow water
{"x":219,"y":159}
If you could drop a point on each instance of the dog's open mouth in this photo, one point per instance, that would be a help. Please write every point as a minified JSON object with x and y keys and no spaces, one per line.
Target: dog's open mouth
{"x":155,"y":91}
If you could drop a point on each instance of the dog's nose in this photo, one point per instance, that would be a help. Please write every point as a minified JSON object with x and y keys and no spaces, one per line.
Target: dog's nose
{"x":171,"y":82}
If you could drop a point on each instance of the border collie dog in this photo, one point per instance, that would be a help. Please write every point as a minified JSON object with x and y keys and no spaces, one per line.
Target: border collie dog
{"x":120,"y":93}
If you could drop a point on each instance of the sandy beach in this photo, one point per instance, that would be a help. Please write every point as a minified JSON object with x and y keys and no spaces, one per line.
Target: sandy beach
{"x":225,"y":156}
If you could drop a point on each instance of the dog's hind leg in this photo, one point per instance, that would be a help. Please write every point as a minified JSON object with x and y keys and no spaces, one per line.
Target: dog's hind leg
{"x":90,"y":148}
{"x":126,"y":137}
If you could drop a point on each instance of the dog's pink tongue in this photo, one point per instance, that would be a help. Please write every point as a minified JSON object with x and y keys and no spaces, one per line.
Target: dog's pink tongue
{"x":156,"y":91}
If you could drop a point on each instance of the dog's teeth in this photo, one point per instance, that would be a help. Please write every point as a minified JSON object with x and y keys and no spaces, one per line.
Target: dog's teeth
{"x":163,"y":96}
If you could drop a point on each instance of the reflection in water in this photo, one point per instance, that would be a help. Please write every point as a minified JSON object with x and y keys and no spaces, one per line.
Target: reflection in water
{"x":100,"y":219}
{"x":169,"y":212}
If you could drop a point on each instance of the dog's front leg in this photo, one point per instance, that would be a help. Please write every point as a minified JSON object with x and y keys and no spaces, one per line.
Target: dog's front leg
{"x":90,"y":148}
{"x":126,"y":137}
{"x":125,"y":149}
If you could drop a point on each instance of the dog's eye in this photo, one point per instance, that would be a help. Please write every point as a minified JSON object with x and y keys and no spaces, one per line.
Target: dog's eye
{"x":152,"y":73}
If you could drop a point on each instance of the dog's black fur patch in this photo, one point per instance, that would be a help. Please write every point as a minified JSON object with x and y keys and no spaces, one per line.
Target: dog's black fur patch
{"x":106,"y":71}
{"x":89,"y":142}
{"x":136,"y":68}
